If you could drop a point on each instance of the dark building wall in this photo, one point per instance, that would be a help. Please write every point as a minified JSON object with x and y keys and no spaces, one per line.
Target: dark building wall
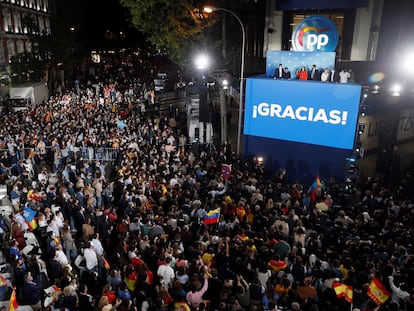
{"x":396,"y":30}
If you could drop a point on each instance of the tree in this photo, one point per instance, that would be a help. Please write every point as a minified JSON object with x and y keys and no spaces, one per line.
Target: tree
{"x":175,"y":25}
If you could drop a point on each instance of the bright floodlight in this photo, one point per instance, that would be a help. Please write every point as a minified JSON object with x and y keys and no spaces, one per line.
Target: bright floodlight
{"x":201,"y":62}
{"x":395,"y":90}
{"x":208,"y":9}
{"x":408,"y":61}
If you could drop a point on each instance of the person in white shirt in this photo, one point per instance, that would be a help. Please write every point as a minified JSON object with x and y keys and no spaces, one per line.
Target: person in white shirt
{"x":53,"y":225}
{"x":97,"y":245}
{"x":18,"y":217}
{"x":344,"y":76}
{"x":399,"y":294}
{"x":91,"y":258}
{"x":325,"y":75}
{"x":59,"y":220}
{"x":166,"y":273}
{"x":61,"y":256}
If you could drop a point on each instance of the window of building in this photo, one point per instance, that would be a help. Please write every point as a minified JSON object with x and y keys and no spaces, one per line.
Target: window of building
{"x":17,"y":22}
{"x":10,"y":48}
{"x":7,"y":21}
{"x":20,"y":46}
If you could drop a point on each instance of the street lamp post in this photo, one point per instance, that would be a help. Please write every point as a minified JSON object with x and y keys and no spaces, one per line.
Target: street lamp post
{"x":202,"y":62}
{"x":241,"y":105}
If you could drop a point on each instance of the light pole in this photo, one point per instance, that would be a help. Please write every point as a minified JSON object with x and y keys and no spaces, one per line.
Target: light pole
{"x":241,"y":105}
{"x":202,"y":62}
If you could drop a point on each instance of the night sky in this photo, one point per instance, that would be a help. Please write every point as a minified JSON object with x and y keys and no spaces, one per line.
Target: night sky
{"x":98,"y":21}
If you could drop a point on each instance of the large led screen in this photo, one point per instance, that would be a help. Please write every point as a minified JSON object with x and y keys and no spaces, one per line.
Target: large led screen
{"x":302,"y":111}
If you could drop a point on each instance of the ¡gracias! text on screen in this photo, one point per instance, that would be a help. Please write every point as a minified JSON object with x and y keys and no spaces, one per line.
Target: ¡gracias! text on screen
{"x":301,"y":113}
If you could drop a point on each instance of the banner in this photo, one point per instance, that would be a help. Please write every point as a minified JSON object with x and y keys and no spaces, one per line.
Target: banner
{"x":308,"y":112}
{"x":226,"y":171}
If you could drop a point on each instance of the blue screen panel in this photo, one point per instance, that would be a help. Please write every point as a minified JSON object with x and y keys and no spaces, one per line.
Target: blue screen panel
{"x":309,"y":112}
{"x":295,"y":60}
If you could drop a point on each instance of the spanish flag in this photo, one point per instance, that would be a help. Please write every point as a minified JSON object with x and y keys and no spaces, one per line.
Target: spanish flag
{"x":343,"y":290}
{"x":56,"y":292}
{"x":13,"y":301}
{"x":377,"y":292}
{"x":106,"y":264}
{"x":243,"y":237}
{"x":212,"y":217}
{"x":277,"y":265}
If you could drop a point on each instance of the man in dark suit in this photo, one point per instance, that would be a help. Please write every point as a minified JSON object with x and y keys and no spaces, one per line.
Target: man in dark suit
{"x":334,"y":77}
{"x":279,"y":72}
{"x":31,"y":293}
{"x":286,"y":74}
{"x":315,"y":74}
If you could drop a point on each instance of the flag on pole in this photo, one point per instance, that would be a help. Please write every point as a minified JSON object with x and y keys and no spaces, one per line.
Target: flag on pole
{"x":315,"y":188}
{"x":377,"y":292}
{"x":226,"y":171}
{"x":212,"y":217}
{"x":343,"y":290}
{"x":277,"y":265}
{"x":29,"y":217}
{"x":13,"y":301}
{"x":106,"y":264}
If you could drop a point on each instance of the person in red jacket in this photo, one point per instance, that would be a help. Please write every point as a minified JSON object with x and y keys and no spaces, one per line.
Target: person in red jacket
{"x":302,"y":74}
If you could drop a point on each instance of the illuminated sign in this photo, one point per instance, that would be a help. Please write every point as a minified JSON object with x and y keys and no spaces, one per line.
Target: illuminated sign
{"x":308,"y":112}
{"x":315,"y":34}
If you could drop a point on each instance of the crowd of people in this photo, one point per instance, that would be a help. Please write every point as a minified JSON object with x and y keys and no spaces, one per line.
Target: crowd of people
{"x":120,"y":202}
{"x":316,"y":74}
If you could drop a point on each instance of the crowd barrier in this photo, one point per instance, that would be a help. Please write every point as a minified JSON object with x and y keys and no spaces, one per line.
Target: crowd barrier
{"x":88,"y":154}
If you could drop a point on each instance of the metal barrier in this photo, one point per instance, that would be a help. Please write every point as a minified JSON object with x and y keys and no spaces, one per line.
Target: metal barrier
{"x":87,"y":154}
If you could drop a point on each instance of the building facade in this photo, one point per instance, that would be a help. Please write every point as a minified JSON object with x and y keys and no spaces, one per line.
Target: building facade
{"x":14,"y":29}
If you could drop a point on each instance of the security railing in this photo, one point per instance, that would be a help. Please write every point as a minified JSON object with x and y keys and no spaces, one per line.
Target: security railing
{"x":87,"y":154}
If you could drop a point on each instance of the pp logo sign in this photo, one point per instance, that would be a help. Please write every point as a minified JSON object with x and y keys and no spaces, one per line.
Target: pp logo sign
{"x":315,"y":34}
{"x":316,"y":41}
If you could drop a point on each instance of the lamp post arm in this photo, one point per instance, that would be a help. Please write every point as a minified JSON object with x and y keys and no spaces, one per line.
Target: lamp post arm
{"x":241,"y":102}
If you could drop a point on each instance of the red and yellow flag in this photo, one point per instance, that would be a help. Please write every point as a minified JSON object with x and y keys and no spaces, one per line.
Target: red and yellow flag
{"x":343,"y":290}
{"x":277,"y":265}
{"x":56,"y":292}
{"x":377,"y":292}
{"x":106,"y":264}
{"x":13,"y":301}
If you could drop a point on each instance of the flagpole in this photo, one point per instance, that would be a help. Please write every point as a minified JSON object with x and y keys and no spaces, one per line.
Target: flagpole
{"x":352,"y":306}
